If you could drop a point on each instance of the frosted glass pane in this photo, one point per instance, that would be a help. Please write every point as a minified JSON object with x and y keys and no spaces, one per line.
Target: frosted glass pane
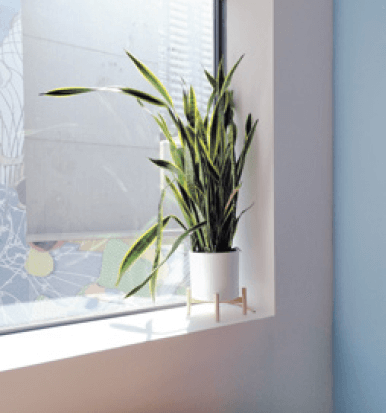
{"x":76,"y":169}
{"x":78,"y":183}
{"x":88,"y":189}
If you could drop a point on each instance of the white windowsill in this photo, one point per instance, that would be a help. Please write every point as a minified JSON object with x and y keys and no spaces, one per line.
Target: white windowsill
{"x":56,"y":343}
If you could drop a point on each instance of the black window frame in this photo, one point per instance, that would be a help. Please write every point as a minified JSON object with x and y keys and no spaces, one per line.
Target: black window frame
{"x":219,"y":24}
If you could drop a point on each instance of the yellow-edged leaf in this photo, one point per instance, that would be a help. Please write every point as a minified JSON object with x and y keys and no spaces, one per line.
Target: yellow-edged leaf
{"x":151,"y":78}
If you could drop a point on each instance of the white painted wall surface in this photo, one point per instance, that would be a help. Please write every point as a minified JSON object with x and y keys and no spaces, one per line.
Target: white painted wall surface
{"x":277,"y":365}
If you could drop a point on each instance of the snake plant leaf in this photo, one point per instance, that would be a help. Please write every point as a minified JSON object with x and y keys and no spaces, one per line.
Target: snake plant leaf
{"x":191,"y":116}
{"x":195,"y":215}
{"x":189,"y":171}
{"x":175,"y":245}
{"x":141,"y":245}
{"x":173,"y":117}
{"x":232,"y":143}
{"x":244,"y":151}
{"x":173,"y":149}
{"x":230,"y":210}
{"x":228,"y":116}
{"x":206,"y":157}
{"x":142,"y":96}
{"x":138,"y":248}
{"x":188,"y":201}
{"x":68,"y":91}
{"x":200,"y":165}
{"x":178,"y":158}
{"x":213,"y":136}
{"x":210,"y":101}
{"x":184,"y":135}
{"x":233,"y":133}
{"x":181,"y":203}
{"x":248,"y":125}
{"x":226,"y":166}
{"x":190,"y":106}
{"x":71,"y":91}
{"x":210,"y":78}
{"x":164,"y":128}
{"x":151,"y":78}
{"x":234,"y":192}
{"x":229,"y":76}
{"x":236,"y":222}
{"x":199,"y":127}
{"x":221,"y":141}
{"x":166,"y":165}
{"x":157,"y":256}
{"x":206,"y":122}
{"x":220,"y":76}
{"x":185,"y":101}
{"x":226,"y":229}
{"x":244,"y":211}
{"x":191,"y":131}
{"x":210,"y":226}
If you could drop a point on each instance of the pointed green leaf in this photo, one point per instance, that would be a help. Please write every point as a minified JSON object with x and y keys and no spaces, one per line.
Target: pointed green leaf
{"x":153,"y":280}
{"x":138,"y":248}
{"x":220,"y":76}
{"x":244,"y":151}
{"x":185,"y":102}
{"x":176,"y":244}
{"x":211,"y":79}
{"x":248,"y":125}
{"x":68,"y":91}
{"x":213,"y":136}
{"x":189,"y":171}
{"x":164,"y":128}
{"x":206,"y":157}
{"x":234,"y":229}
{"x":142,"y":244}
{"x":228,"y":78}
{"x":195,"y":215}
{"x":166,"y":165}
{"x":182,"y":204}
{"x":210,"y":102}
{"x":192,"y":107}
{"x":139,"y":95}
{"x":151,"y":78}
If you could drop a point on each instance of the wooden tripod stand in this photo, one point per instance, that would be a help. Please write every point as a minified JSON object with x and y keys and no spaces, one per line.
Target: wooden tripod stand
{"x":239,"y":301}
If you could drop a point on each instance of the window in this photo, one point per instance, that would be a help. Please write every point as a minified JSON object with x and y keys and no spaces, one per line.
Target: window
{"x":75,"y":182}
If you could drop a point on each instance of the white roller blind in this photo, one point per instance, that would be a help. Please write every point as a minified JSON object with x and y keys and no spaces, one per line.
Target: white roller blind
{"x":86,"y":157}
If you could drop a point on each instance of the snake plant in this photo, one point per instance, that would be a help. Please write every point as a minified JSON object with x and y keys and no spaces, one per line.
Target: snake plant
{"x":204,"y":173}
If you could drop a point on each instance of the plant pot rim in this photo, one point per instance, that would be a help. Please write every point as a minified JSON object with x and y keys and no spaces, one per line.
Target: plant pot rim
{"x":215,"y":252}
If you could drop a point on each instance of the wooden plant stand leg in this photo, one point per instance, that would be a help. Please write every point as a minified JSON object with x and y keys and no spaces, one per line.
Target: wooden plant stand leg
{"x":239,"y":301}
{"x":188,"y":301}
{"x":217,"y":306}
{"x":244,"y":300}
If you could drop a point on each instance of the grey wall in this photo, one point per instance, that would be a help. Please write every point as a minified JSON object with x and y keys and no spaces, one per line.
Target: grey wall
{"x":281,"y":364}
{"x":303,"y":206}
{"x":360,"y":204}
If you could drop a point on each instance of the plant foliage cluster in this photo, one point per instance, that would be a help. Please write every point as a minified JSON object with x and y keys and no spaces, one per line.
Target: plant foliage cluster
{"x":204,"y":174}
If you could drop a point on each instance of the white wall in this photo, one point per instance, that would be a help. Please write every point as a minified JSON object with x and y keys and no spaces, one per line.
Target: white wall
{"x":281,"y":364}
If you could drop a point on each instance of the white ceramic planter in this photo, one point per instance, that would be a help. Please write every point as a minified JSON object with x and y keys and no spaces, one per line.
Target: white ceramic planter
{"x":214,"y":272}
